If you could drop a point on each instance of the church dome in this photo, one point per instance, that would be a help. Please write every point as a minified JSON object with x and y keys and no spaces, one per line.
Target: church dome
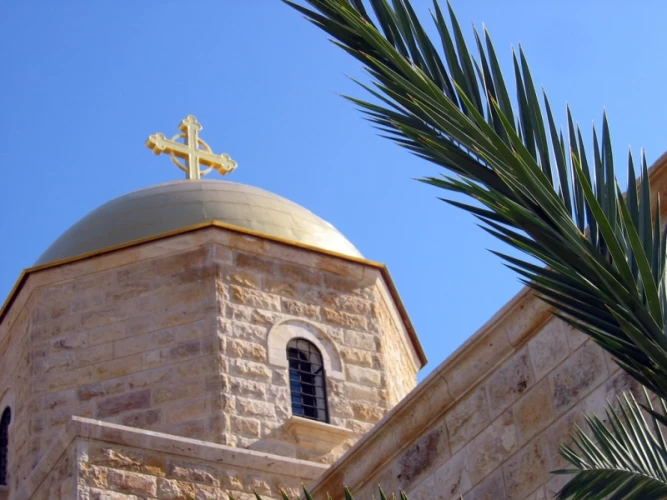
{"x":177,"y":205}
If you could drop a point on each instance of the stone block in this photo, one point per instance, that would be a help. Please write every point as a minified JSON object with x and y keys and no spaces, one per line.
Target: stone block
{"x":132,"y":482}
{"x":248,"y":388}
{"x":492,"y":488}
{"x":119,"y":404}
{"x":357,"y":357}
{"x":255,"y":298}
{"x":451,"y":478}
{"x":116,"y":458}
{"x":236,"y":277}
{"x":511,"y":380}
{"x":115,"y":368}
{"x":257,"y":408}
{"x":526,"y":470}
{"x":359,"y":340}
{"x":467,"y":418}
{"x":170,"y":489}
{"x":577,"y":376}
{"x":364,"y":376}
{"x":549,"y":347}
{"x":355,"y":305}
{"x":246,"y":426}
{"x":534,"y":411}
{"x":279,"y":286}
{"x":142,"y":419}
{"x":346,"y":320}
{"x":251,"y":369}
{"x":366,"y":412}
{"x":299,"y":274}
{"x":244,"y":349}
{"x":364,"y":393}
{"x":173,"y":392}
{"x":194,"y":472}
{"x":301,"y":309}
{"x":492,"y":446}
{"x":421,"y":457}
{"x":94,"y":354}
{"x":254,"y":263}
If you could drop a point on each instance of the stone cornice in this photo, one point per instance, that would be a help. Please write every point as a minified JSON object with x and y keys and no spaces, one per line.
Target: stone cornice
{"x":499,"y":338}
{"x":97,"y":430}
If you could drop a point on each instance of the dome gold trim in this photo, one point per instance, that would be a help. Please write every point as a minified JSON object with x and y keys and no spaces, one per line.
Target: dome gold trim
{"x":384,"y":271}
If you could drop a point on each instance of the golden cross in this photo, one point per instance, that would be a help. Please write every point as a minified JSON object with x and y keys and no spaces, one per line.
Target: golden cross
{"x":191,"y":151}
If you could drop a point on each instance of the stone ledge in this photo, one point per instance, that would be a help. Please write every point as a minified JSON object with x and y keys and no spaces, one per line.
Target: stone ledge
{"x":97,"y":430}
{"x":315,"y":434}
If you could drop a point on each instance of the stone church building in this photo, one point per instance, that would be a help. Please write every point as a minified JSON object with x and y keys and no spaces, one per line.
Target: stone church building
{"x":202,"y":337}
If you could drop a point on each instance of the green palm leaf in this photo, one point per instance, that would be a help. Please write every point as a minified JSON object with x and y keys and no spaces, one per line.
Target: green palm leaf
{"x":626,"y":459}
{"x":532,"y":189}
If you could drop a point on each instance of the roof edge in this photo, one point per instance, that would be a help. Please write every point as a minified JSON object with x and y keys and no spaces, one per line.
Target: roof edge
{"x":237,"y":229}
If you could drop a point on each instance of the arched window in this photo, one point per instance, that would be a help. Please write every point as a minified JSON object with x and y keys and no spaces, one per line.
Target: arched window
{"x":307,"y":383}
{"x":4,"y":444}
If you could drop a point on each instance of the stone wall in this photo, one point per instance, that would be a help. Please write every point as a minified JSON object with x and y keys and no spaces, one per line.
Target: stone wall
{"x":97,"y":461}
{"x":496,"y":437}
{"x":174,"y":336}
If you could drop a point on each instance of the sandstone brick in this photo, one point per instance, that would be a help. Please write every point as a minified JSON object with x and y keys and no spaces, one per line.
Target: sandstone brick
{"x":367,"y":413}
{"x":116,"y":458}
{"x":188,"y":409}
{"x":364,"y":393}
{"x":300,"y":274}
{"x":364,"y":376}
{"x":250,"y":369}
{"x":467,"y":418}
{"x":238,"y":312}
{"x":492,"y":488}
{"x":420,"y":458}
{"x":357,"y":357}
{"x":93,"y":475}
{"x":549,"y":347}
{"x":132,"y":482}
{"x":176,"y":263}
{"x":254,"y":263}
{"x":243,"y":349}
{"x":117,"y":367}
{"x":142,"y":419}
{"x":246,"y":426}
{"x":340,"y":407}
{"x":492,"y":446}
{"x":243,"y":387}
{"x":252,"y":407}
{"x":534,"y":411}
{"x":451,"y":478}
{"x":68,"y":379}
{"x":577,"y":375}
{"x":343,"y":285}
{"x":301,"y":309}
{"x":280,"y":286}
{"x":355,"y":305}
{"x":255,"y":298}
{"x":265,"y":318}
{"x":174,"y":392}
{"x":194,"y":472}
{"x":359,"y":340}
{"x":512,"y":380}
{"x":119,"y":404}
{"x":250,"y":280}
{"x":526,"y":470}
{"x":94,"y":354}
{"x":346,"y":320}
{"x":170,"y":489}
{"x":74,"y":341}
{"x":155,"y":465}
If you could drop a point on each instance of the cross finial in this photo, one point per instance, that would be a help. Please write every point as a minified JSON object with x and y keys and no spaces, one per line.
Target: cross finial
{"x":194,"y":150}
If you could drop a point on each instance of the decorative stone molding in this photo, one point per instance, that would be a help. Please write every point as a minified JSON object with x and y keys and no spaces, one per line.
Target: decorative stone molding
{"x":284,"y":331}
{"x":318,"y":436}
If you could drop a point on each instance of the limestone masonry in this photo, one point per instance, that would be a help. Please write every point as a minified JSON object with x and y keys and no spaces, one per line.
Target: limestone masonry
{"x":159,"y":369}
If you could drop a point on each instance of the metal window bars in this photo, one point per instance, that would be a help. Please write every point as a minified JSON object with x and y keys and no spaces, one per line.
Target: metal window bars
{"x":307,"y":381}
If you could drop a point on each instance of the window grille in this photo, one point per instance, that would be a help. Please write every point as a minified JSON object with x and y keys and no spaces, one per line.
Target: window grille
{"x":307,"y":381}
{"x":4,"y":444}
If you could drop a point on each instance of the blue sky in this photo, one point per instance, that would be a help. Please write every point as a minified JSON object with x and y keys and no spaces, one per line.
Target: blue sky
{"x":84,"y":83}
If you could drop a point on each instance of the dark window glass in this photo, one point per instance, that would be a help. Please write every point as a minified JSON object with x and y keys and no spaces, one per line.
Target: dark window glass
{"x":4,"y":444}
{"x":307,"y":382}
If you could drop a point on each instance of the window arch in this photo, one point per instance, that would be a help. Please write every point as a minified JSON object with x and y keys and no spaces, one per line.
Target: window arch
{"x":307,"y":380}
{"x":4,"y":444}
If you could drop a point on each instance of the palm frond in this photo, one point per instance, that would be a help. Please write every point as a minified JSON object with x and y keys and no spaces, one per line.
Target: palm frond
{"x":530,"y":183}
{"x":625,"y":459}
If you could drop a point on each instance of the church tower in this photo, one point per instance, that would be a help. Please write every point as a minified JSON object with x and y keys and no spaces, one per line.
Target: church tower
{"x":214,"y":314}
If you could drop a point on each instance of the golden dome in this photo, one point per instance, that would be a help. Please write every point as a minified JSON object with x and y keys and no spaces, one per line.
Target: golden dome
{"x":176,"y":205}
